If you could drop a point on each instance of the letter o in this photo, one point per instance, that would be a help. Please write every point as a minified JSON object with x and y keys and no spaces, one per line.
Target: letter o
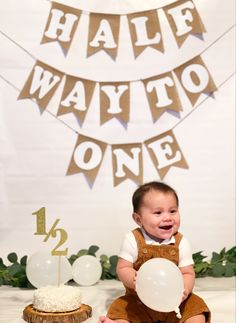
{"x":87,"y":155}
{"x":202,"y":75}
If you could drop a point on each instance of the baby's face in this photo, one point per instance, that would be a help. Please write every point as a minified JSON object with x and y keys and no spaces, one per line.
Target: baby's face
{"x":159,"y":215}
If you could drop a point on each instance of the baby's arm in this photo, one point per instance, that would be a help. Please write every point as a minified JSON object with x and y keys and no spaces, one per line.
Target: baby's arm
{"x":126,"y":273}
{"x":189,"y":280}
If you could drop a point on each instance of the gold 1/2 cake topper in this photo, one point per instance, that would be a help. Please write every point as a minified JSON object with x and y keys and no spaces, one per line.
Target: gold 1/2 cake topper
{"x":41,"y":230}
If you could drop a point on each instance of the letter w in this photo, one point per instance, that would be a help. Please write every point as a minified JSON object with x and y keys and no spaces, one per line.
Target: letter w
{"x":43,"y":81}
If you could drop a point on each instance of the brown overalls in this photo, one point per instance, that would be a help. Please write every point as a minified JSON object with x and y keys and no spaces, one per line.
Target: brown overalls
{"x":130,"y":308}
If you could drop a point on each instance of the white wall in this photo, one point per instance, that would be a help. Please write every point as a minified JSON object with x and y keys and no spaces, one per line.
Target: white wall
{"x":35,"y":149}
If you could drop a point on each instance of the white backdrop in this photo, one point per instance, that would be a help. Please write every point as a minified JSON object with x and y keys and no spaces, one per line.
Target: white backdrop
{"x":35,"y":150}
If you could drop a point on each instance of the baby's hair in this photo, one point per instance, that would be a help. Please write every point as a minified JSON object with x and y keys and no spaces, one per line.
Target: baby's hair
{"x":138,"y":195}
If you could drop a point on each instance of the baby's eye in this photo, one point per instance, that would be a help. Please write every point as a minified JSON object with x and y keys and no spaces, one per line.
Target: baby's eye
{"x":173,"y":211}
{"x":158,"y":212}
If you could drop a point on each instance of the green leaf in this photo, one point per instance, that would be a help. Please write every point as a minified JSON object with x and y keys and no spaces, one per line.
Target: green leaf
{"x":82,"y":252}
{"x":198,"y":257}
{"x":222,"y":253}
{"x":106,"y":265}
{"x":23,"y":261}
{"x":201,"y":267}
{"x":104,"y":258}
{"x":231,"y":255}
{"x":92,"y":250}
{"x":230,"y":269}
{"x":12,"y":257}
{"x":216,"y":257}
{"x":232,"y":250}
{"x":108,"y":275}
{"x":218,"y":270}
{"x":19,"y":281}
{"x":112,"y":270}
{"x":113,"y":260}
{"x":72,"y":259}
{"x":14,"y":268}
{"x":2,"y":266}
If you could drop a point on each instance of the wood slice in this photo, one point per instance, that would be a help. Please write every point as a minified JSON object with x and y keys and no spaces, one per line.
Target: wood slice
{"x":30,"y":314}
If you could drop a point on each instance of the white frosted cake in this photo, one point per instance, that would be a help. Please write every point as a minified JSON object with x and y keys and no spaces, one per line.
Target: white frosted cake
{"x":57,"y":298}
{"x":61,"y":304}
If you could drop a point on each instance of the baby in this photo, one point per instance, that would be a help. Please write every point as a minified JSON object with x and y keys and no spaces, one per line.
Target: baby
{"x":156,"y":211}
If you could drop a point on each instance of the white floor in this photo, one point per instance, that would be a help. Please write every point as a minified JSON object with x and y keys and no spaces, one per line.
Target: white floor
{"x":219,"y":293}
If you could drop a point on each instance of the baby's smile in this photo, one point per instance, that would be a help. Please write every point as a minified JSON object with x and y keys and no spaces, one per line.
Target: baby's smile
{"x":166,"y":227}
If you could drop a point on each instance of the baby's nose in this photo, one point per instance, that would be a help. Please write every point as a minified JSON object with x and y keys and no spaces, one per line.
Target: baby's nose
{"x":167,"y":216}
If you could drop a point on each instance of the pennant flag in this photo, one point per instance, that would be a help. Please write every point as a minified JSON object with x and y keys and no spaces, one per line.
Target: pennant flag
{"x":61,"y":25}
{"x":184,"y":20}
{"x":165,"y":152}
{"x":127,"y":162}
{"x":87,"y":157}
{"x":76,"y":97}
{"x":103,"y":34}
{"x":114,"y":101}
{"x":145,"y":31}
{"x":195,"y":79}
{"x":41,"y":84}
{"x":162,"y":94}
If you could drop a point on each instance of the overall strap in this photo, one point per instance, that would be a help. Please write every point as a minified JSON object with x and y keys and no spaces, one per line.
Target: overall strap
{"x":178,"y":236}
{"x":139,"y":237}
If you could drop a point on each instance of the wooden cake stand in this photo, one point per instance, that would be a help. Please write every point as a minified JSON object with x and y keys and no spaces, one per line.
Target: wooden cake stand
{"x":30,"y":314}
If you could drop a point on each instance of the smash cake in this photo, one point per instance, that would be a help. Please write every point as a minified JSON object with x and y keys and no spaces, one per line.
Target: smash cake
{"x":57,"y":304}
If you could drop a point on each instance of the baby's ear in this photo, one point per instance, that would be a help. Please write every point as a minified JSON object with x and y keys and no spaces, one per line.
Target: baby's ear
{"x":137,"y":218}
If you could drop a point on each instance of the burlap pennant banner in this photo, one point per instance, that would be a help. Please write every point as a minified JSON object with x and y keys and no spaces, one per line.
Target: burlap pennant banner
{"x":127,"y":163}
{"x":115,"y":97}
{"x":87,"y":157}
{"x":104,"y":32}
{"x":162,"y":94}
{"x":165,"y":153}
{"x":41,"y":84}
{"x":127,"y":159}
{"x":114,"y":101}
{"x":160,"y":90}
{"x":195,"y":79}
{"x":184,"y":20}
{"x":104,"y":29}
{"x":145,"y":31}
{"x":61,"y":25}
{"x":76,"y":97}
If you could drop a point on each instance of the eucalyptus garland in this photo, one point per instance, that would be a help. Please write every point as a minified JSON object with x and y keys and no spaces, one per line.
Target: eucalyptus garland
{"x":222,"y":264}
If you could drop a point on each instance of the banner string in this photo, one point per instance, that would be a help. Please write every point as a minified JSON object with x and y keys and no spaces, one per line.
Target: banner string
{"x":217,"y":39}
{"x":86,"y":12}
{"x":32,"y":56}
{"x":49,"y":112}
{"x":17,"y":44}
{"x":201,"y":102}
{"x":75,"y":131}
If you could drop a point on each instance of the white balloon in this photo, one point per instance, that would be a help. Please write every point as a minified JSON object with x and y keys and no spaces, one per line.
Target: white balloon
{"x":159,"y":285}
{"x":86,"y":270}
{"x":42,"y":269}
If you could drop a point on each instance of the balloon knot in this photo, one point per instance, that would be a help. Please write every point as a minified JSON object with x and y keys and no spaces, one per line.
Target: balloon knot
{"x":178,"y":315}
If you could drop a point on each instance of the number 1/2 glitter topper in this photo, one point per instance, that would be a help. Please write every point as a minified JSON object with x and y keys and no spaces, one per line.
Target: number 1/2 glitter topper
{"x":51,"y":233}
